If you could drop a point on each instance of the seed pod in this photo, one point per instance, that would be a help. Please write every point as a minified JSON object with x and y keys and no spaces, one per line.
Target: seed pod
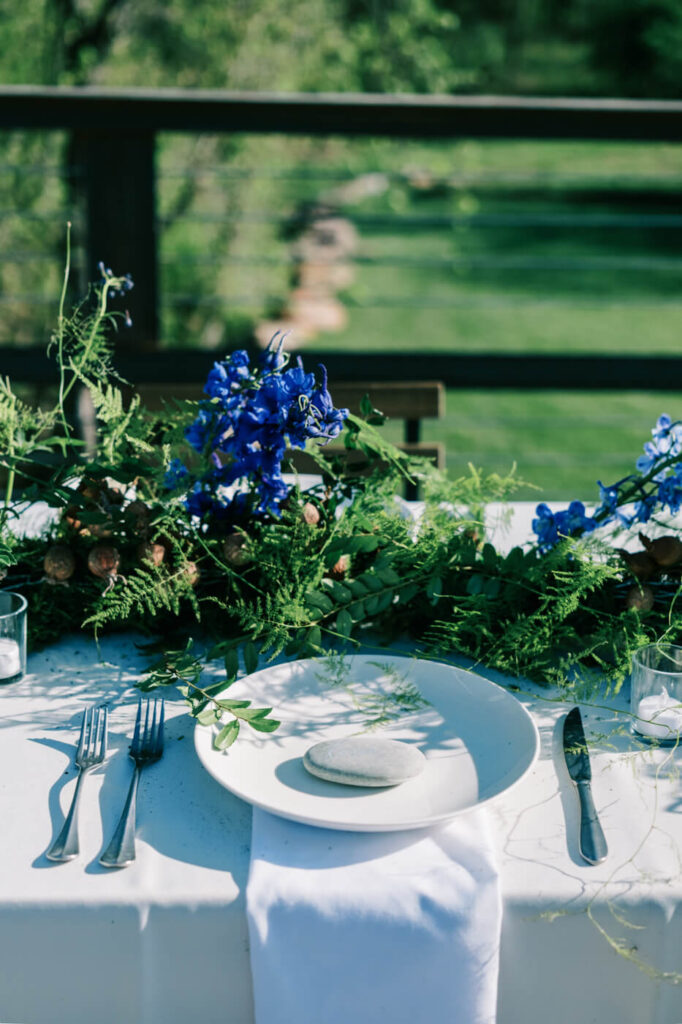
{"x":101,"y":530}
{"x":71,"y":516}
{"x":103,"y":561}
{"x":640,"y":564}
{"x":340,"y":568}
{"x":148,"y":552}
{"x":310,"y":514}
{"x":91,"y":489}
{"x":112,"y":493}
{"x":137,"y":516}
{"x":640,"y":599}
{"x":234,"y":549}
{"x":665,"y":551}
{"x":192,"y":573}
{"x":59,"y":563}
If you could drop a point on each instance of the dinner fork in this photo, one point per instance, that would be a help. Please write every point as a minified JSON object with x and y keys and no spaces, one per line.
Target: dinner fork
{"x":92,"y":749}
{"x":147,"y":747}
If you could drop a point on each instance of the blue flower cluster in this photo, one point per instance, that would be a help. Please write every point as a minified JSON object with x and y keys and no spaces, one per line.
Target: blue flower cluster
{"x":251,"y":417}
{"x":658,"y":482}
{"x":121,"y":285}
{"x":550,"y":526}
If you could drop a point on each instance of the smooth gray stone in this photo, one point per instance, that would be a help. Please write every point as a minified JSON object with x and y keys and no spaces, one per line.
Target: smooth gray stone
{"x":364,"y":761}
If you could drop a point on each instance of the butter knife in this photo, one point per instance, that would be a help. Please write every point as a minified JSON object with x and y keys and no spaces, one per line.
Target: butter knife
{"x":593,"y":846}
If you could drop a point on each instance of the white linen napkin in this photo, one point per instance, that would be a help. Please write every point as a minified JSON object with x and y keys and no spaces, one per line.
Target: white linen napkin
{"x":359,"y":928}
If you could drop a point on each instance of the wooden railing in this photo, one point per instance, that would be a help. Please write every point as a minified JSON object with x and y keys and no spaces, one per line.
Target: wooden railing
{"x":113,"y":134}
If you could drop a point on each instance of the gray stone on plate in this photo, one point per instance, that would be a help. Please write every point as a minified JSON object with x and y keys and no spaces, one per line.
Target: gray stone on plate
{"x":364,"y":761}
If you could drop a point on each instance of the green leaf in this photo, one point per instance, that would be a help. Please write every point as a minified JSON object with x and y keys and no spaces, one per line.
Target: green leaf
{"x":232,"y":664}
{"x":371,"y":581}
{"x":344,"y":623}
{"x":230,"y":705}
{"x":357,"y":610}
{"x":265,"y":724}
{"x":434,"y":588}
{"x":313,"y":639}
{"x":384,"y":601}
{"x":318,"y":601}
{"x":388,"y":576}
{"x":489,"y":556}
{"x":340,"y":592}
{"x":406,"y":593}
{"x":366,"y":544}
{"x":227,"y":735}
{"x":475,"y":584}
{"x":249,"y":714}
{"x":209,"y":716}
{"x":514,"y":562}
{"x":250,"y":657}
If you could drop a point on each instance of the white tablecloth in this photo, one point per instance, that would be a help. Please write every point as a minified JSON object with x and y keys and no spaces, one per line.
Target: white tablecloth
{"x":166,"y":939}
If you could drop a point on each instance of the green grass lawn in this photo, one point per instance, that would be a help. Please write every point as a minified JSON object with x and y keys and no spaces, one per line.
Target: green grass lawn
{"x":541,"y":248}
{"x":479,"y":246}
{"x":561,"y":443}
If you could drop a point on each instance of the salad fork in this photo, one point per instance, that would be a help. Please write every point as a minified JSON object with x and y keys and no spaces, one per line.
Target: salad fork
{"x":147,"y":747}
{"x":92,"y":749}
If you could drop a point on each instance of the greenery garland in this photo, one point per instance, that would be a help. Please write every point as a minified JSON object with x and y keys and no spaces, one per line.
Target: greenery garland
{"x":183,"y":525}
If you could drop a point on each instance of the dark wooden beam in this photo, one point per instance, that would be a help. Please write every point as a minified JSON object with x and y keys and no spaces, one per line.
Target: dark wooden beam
{"x":485,"y":370}
{"x":118,"y":181}
{"x":88,"y":108}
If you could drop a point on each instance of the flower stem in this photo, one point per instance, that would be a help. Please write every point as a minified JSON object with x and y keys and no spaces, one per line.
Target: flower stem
{"x":60,"y":332}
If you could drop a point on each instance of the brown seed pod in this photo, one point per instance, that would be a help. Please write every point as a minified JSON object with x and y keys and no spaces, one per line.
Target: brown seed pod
{"x":665,"y":551}
{"x":91,"y":490}
{"x":340,"y":568}
{"x":640,"y":599}
{"x":113,"y":493}
{"x":101,"y":530}
{"x":192,"y":573}
{"x":640,"y":564}
{"x":103,"y":561}
{"x":137,"y":516}
{"x":310,"y":514}
{"x":71,"y":517}
{"x":148,"y":552}
{"x":234,"y":549}
{"x":59,"y":563}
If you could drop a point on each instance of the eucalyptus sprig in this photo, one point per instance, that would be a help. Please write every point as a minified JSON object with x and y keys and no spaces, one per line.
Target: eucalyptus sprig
{"x":183,"y":669}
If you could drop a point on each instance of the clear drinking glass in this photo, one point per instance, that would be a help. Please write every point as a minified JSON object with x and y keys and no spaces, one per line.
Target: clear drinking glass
{"x":656,"y":693}
{"x":12,"y":636}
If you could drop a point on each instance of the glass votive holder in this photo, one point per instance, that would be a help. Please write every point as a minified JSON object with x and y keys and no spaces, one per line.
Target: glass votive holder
{"x":12,"y":636}
{"x":656,"y":693}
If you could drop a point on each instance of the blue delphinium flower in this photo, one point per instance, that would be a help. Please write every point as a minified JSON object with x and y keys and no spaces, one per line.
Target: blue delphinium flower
{"x":176,"y":474}
{"x":550,"y":526}
{"x":544,"y":526}
{"x":667,"y":443}
{"x":670,"y":490}
{"x":274,"y":358}
{"x":249,"y":419}
{"x":657,"y":482}
{"x":225,"y":379}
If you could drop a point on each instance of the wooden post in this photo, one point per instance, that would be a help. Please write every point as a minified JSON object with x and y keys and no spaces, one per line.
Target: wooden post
{"x":118,"y":178}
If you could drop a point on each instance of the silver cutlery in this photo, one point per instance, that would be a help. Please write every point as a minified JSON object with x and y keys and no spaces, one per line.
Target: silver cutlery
{"x":592,"y":845}
{"x":147,"y":747}
{"x":92,"y":749}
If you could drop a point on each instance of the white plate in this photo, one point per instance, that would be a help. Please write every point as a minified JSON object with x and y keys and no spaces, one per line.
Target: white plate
{"x":478,"y":738}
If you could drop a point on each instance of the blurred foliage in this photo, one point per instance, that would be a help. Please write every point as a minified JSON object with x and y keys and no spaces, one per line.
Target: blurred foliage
{"x":624,"y":47}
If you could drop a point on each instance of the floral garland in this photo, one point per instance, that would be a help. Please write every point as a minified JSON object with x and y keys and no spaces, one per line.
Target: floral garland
{"x":182,"y":522}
